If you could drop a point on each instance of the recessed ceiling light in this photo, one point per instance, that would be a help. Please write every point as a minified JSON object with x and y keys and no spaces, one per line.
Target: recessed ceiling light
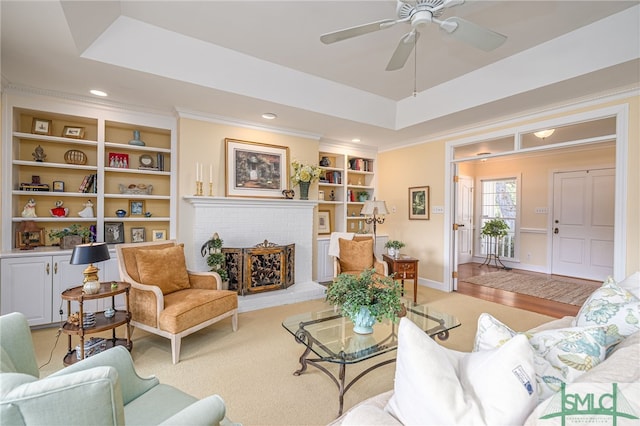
{"x":355,"y":140}
{"x":269,"y":116}
{"x":98,"y":92}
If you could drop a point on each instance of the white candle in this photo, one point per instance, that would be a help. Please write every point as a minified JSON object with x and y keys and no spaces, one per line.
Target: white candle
{"x":197,"y":168}
{"x":210,"y":173}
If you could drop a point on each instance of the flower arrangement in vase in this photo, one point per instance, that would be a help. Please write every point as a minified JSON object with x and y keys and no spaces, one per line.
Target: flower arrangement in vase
{"x":304,"y":175}
{"x":393,"y":247}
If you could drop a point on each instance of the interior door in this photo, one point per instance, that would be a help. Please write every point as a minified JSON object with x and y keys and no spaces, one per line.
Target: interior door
{"x":464,"y":219}
{"x":583,"y":223}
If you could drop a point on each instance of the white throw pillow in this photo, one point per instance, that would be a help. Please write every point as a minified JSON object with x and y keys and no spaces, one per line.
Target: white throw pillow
{"x":611,"y":304}
{"x":561,"y":355}
{"x":632,"y":284}
{"x":436,"y":385}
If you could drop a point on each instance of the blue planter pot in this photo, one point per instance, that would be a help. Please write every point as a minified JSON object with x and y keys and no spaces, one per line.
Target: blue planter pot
{"x":363,"y":321}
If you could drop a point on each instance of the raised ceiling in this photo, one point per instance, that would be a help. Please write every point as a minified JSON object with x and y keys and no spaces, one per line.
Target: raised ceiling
{"x":238,"y":59}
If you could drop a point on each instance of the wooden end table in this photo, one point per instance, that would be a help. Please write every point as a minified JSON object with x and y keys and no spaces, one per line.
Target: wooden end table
{"x":405,"y":268}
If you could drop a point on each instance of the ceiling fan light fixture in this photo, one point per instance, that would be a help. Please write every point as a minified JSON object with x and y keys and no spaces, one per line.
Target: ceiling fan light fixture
{"x":97,"y":92}
{"x":542,"y":134}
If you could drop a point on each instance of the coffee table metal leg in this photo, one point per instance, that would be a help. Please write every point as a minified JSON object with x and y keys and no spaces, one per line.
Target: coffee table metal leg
{"x":303,"y":362}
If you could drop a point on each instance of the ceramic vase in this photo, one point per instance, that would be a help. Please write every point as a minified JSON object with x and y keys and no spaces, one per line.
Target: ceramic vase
{"x":304,"y":190}
{"x":363,"y":321}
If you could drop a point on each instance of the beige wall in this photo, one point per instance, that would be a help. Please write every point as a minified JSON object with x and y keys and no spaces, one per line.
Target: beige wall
{"x":398,"y":170}
{"x":424,"y":165}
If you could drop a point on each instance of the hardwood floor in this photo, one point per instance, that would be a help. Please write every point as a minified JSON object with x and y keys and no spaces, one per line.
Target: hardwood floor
{"x":521,"y":301}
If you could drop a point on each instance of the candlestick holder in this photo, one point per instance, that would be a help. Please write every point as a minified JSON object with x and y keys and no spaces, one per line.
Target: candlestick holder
{"x":210,"y":189}
{"x":198,"y":188}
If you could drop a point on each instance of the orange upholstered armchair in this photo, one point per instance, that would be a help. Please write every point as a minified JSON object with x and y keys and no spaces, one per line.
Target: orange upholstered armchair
{"x":168,"y":300}
{"x":355,"y":255}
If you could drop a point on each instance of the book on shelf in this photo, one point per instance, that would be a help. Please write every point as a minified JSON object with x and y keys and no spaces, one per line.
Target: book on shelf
{"x":89,"y":184}
{"x":83,"y":185}
{"x":361,"y":164}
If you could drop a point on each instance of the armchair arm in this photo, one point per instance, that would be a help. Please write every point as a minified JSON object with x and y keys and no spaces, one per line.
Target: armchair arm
{"x":205,"y":280}
{"x":381,"y":266}
{"x":118,"y":358}
{"x":149,"y":303}
{"x":209,"y":411}
{"x":91,"y":396}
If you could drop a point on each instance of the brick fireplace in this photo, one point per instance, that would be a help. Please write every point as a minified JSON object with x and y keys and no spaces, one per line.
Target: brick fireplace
{"x":243,"y":222}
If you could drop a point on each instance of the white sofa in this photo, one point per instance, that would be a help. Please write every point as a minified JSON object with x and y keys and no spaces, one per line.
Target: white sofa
{"x":436,"y":400}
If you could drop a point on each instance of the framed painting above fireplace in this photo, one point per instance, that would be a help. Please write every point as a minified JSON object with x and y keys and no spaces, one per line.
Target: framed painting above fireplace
{"x":256,"y":169}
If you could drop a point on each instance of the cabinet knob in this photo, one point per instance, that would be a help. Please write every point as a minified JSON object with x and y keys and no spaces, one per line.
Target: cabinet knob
{"x":55,"y":268}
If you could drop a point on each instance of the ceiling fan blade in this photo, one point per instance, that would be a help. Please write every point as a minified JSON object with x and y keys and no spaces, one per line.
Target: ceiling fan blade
{"x":356,"y":31}
{"x":473,"y":34}
{"x":404,"y":49}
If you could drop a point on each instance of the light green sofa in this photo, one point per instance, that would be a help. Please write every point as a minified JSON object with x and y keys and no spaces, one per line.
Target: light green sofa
{"x":101,"y":390}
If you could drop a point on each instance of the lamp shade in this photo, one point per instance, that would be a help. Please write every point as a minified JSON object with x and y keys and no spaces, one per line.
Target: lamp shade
{"x":376,"y":207}
{"x":84,"y":254}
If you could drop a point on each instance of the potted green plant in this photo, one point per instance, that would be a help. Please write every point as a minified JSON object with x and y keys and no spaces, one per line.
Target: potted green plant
{"x":366,"y":298}
{"x":393,"y":247}
{"x":71,"y":236}
{"x":212,"y":249}
{"x":496,"y":228}
{"x":363,"y":196}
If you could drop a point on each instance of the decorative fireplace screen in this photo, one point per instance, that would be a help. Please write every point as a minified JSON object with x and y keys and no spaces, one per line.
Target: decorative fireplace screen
{"x":263,"y":267}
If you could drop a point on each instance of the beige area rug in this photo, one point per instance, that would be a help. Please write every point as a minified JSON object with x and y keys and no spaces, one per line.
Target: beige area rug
{"x":252,"y":369}
{"x":542,"y":287}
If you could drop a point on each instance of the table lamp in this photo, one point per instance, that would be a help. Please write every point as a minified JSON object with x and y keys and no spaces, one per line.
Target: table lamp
{"x":89,"y":254}
{"x":374,"y":212}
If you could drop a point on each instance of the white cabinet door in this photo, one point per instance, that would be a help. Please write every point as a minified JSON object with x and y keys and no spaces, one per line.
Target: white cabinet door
{"x":325,"y":262}
{"x":26,"y":287}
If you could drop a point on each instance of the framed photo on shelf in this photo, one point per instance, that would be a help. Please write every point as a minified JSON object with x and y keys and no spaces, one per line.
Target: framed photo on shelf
{"x":73,"y":132}
{"x":324,"y":222}
{"x":118,"y":160}
{"x":114,"y":232}
{"x":158,"y":235}
{"x":41,"y":126}
{"x":419,"y":203}
{"x":137,"y":235}
{"x":256,"y":169}
{"x":58,"y":186}
{"x":320,"y":195}
{"x":30,"y":238}
{"x":136,"y":207}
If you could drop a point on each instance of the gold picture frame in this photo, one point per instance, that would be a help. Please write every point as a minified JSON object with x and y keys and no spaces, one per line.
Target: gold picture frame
{"x":256,"y":169}
{"x":29,"y":238}
{"x":324,"y":222}
{"x":41,"y":126}
{"x":419,"y":203}
{"x":158,"y":235}
{"x":136,"y":208}
{"x":73,"y":132}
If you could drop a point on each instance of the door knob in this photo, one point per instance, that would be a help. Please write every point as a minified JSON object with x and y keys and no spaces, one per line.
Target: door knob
{"x":556,"y":230}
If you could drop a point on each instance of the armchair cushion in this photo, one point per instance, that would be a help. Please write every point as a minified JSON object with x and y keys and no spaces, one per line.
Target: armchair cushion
{"x":188,"y":308}
{"x":355,"y":255}
{"x":165,"y":268}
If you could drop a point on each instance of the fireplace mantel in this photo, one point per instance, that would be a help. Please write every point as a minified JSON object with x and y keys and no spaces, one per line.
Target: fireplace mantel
{"x":245,"y":222}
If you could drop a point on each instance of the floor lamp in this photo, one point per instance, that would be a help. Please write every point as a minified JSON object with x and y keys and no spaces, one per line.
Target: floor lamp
{"x":374,"y":212}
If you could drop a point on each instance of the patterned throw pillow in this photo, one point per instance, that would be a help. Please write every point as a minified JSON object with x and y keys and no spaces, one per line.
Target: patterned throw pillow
{"x":611,"y":304}
{"x":561,"y":355}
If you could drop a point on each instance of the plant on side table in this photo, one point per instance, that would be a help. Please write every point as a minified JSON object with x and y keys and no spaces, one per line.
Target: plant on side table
{"x":212,"y":249}
{"x":71,"y":236}
{"x":366,"y":298}
{"x":393,"y":247}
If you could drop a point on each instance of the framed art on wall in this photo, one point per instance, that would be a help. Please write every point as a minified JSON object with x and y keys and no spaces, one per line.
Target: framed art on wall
{"x":324,"y":222}
{"x":113,"y":232}
{"x":256,"y":169}
{"x":419,"y":202}
{"x":158,"y":234}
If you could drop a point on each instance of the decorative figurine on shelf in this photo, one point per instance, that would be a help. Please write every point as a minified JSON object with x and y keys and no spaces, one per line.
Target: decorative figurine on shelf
{"x":136,"y":139}
{"x":29,"y":209}
{"x":288,"y":193}
{"x":58,"y":210}
{"x":39,"y":155}
{"x":87,"y":211}
{"x":332,"y":197}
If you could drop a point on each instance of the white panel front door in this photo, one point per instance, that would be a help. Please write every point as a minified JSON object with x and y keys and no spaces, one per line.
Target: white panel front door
{"x":583,"y":223}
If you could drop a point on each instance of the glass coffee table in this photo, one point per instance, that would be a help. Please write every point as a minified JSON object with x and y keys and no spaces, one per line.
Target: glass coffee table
{"x":330,"y":337}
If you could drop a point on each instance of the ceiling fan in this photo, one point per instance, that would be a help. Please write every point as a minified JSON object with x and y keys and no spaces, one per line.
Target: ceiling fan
{"x":419,"y":15}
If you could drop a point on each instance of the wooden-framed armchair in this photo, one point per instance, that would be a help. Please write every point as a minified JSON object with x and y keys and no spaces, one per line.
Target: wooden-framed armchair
{"x":168,"y":300}
{"x":357,"y":254}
